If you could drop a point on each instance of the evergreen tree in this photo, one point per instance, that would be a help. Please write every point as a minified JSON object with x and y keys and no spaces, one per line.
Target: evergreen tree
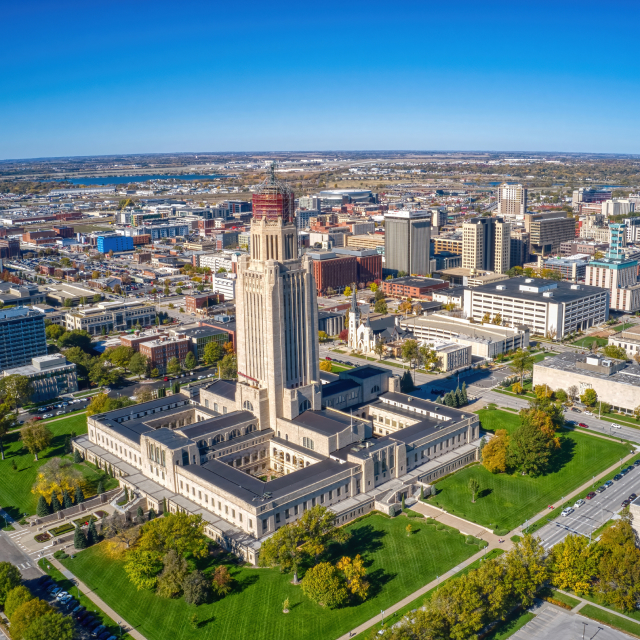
{"x":162,"y":393}
{"x":77,"y":457}
{"x":403,"y":507}
{"x":43,"y":509}
{"x":152,"y":514}
{"x":460,"y":397}
{"x":439,"y":400}
{"x":100,"y":488}
{"x":55,"y":503}
{"x":79,"y":540}
{"x":68,"y":448}
{"x":464,"y":394}
{"x":126,"y":493}
{"x":140,"y":512}
{"x":66,"y":500}
{"x":447,"y":399}
{"x":454,"y":399}
{"x":92,"y":534}
{"x":79,"y":497}
{"x":421,"y":493}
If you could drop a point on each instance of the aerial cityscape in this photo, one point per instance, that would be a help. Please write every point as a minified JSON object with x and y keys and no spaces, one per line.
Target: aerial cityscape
{"x":319,"y":338}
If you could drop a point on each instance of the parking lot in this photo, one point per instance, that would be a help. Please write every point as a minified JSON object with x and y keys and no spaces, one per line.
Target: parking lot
{"x":585,"y":519}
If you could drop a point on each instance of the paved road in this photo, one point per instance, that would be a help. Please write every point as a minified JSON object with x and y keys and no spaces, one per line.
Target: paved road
{"x":593,"y":513}
{"x":11,"y":552}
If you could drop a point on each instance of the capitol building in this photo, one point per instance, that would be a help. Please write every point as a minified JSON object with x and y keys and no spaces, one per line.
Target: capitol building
{"x":251,"y":455}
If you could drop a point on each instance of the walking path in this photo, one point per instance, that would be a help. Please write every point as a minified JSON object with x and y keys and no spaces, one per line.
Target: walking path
{"x":584,"y":602}
{"x":127,"y":628}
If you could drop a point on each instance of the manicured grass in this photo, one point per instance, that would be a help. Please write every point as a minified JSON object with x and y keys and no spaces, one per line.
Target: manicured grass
{"x":506,"y":501}
{"x":89,"y":605}
{"x":611,"y":619}
{"x":588,"y":341}
{"x":512,"y":624}
{"x":561,"y":597}
{"x":63,"y":528}
{"x":623,"y":327}
{"x":397,"y":565}
{"x":335,"y":368}
{"x":15,"y":486}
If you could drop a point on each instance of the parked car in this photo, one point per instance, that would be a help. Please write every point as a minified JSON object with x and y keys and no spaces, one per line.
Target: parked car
{"x":567,"y":511}
{"x":583,"y":425}
{"x":608,"y":483}
{"x":61,"y":594}
{"x":600,"y":489}
{"x":616,"y":426}
{"x":55,"y":591}
{"x":632,"y":497}
{"x":588,"y":413}
{"x":579,"y":503}
{"x":47,"y":415}
{"x":89,"y":621}
{"x":590,"y":495}
{"x":618,"y":477}
{"x":98,"y":630}
{"x":636,"y":463}
{"x":631,"y":468}
{"x":104,"y":635}
{"x":576,"y":410}
{"x":625,"y":503}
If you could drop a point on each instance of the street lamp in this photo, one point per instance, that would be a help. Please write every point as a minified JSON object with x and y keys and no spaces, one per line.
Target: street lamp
{"x":120,"y":627}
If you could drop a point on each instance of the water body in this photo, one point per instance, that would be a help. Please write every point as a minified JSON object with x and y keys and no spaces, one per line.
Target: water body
{"x":112,"y":180}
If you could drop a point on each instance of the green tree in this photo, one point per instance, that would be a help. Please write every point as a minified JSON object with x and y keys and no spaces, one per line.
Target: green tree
{"x":96,"y":298}
{"x":380,"y":307}
{"x":190,"y":361}
{"x":526,"y":568}
{"x":51,"y":625}
{"x":173,"y":366}
{"x":283,"y":549}
{"x":15,"y":599}
{"x":212,"y":352}
{"x":36,"y":437}
{"x":54,"y":331}
{"x":324,"y":585}
{"x":155,"y":373}
{"x":410,"y":352}
{"x":138,"y":364}
{"x":142,"y":568}
{"x":102,"y":375}
{"x":43,"y":509}
{"x":121,"y":356}
{"x":101,"y":403}
{"x":26,"y":615}
{"x":196,"y":588}
{"x":173,"y":574}
{"x":474,"y":486}
{"x":8,"y":420}
{"x":15,"y":390}
{"x":92,"y":534}
{"x":75,"y":338}
{"x":82,"y":360}
{"x":228,"y":367}
{"x":319,"y":526}
{"x":56,"y":505}
{"x":379,"y":349}
{"x":10,"y":578}
{"x":529,"y":449}
{"x":589,"y":397}
{"x":178,"y":531}
{"x":79,"y":494}
{"x":522,"y":362}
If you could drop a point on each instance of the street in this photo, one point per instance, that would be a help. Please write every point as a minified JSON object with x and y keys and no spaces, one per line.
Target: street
{"x":593,"y":513}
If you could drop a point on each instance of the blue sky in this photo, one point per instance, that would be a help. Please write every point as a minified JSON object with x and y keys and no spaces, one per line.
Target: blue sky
{"x":87,"y":78}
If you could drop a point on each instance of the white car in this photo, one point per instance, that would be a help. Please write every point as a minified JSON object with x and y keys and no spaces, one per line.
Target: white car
{"x":579,"y":503}
{"x":616,"y":426}
{"x":567,"y":511}
{"x":47,"y":415}
{"x":588,"y":413}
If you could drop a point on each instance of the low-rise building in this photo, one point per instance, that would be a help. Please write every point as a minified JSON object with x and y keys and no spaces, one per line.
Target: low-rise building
{"x":224,"y":285}
{"x":160,"y":351}
{"x":200,"y":337}
{"x":110,"y":316}
{"x":548,"y":307}
{"x":49,"y":375}
{"x":413,"y":287}
{"x":628,"y":339}
{"x":201,"y":303}
{"x":615,"y":382}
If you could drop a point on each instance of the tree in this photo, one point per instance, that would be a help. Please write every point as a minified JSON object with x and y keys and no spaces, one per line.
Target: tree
{"x":522,"y":361}
{"x":51,"y":625}
{"x":474,"y":486}
{"x":429,"y":357}
{"x":222,"y":581}
{"x":36,"y":437}
{"x":354,"y":572}
{"x":15,"y":390}
{"x":102,"y":375}
{"x":190,"y":361}
{"x":344,"y":335}
{"x":212,"y":352}
{"x":155,"y":373}
{"x":173,"y":574}
{"x":347,"y":291}
{"x":15,"y":599}
{"x":66,"y":500}
{"x":56,"y":505}
{"x":26,"y":615}
{"x":121,"y":356}
{"x":526,"y":568}
{"x":54,"y":332}
{"x":142,"y":568}
{"x":138,"y":364}
{"x":324,"y":585}
{"x":612,"y":351}
{"x":410,"y":351}
{"x":529,"y":449}
{"x":82,"y":360}
{"x":68,"y":303}
{"x":92,"y":534}
{"x":79,"y":495}
{"x":589,"y":397}
{"x":517,"y":388}
{"x":405,"y":307}
{"x":486,"y":318}
{"x":406,"y":382}
{"x":228,"y":367}
{"x":79,"y":539}
{"x":561,"y":395}
{"x":75,"y":338}
{"x":196,"y":588}
{"x":325,"y":365}
{"x":495,"y":452}
{"x":380,"y":307}
{"x":379,"y":349}
{"x":174,"y":367}
{"x":8,"y":420}
{"x":319,"y":527}
{"x":178,"y":531}
{"x":43,"y":509}
{"x":10,"y":578}
{"x":283,"y":549}
{"x":55,"y":476}
{"x":322,"y":336}
{"x":102,"y":403}
{"x":574,"y":564}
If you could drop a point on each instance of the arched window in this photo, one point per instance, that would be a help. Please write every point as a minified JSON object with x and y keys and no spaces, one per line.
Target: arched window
{"x":375,"y":389}
{"x":295,"y":460}
{"x":234,"y":433}
{"x":218,"y":438}
{"x":288,"y":458}
{"x":304,"y":405}
{"x":247,"y":405}
{"x":251,"y":428}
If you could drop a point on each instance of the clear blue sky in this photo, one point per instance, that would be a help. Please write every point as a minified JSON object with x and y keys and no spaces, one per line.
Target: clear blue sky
{"x":101,"y":77}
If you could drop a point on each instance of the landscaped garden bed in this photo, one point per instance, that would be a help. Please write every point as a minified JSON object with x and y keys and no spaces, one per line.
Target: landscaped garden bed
{"x":64,"y":528}
{"x":42,"y":537}
{"x":80,"y":522}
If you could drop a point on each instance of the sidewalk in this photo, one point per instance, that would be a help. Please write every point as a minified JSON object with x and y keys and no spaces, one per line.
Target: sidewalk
{"x":584,"y":602}
{"x":101,"y":603}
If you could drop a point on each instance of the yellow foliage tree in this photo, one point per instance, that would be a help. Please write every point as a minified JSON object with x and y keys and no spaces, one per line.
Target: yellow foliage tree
{"x":354,"y":573}
{"x":494,"y":453}
{"x":517,"y":388}
{"x":57,"y":475}
{"x":325,"y":365}
{"x":575,"y":564}
{"x":543,"y":391}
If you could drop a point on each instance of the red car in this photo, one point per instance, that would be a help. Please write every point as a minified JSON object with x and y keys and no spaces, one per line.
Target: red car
{"x":583,"y":425}
{"x":590,"y":495}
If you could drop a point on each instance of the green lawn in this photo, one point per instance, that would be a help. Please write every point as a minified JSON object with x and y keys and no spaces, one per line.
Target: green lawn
{"x":587,"y":342}
{"x":507,"y":628}
{"x":506,"y":501}
{"x":397,"y":565}
{"x":611,"y":619}
{"x":623,"y":327}
{"x":15,"y":486}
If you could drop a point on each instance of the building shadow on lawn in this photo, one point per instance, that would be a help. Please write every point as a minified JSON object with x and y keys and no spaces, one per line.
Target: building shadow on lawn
{"x":561,"y":456}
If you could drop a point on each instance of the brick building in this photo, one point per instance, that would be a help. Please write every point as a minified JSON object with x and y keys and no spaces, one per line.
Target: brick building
{"x":143,"y":238}
{"x":332,"y":271}
{"x":202,"y":301}
{"x":9,"y":248}
{"x":411,"y":287}
{"x":134,"y":340}
{"x":160,"y":351}
{"x":64,"y":232}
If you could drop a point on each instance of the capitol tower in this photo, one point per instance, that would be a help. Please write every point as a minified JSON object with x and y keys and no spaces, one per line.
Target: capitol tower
{"x":276,"y":314}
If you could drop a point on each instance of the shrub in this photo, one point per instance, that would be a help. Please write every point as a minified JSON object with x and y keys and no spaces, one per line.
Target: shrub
{"x":439,"y":526}
{"x":60,"y":555}
{"x":42,"y":537}
{"x":431,"y":521}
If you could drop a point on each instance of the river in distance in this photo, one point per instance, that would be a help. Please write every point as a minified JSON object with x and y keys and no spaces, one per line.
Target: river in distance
{"x":109,"y":180}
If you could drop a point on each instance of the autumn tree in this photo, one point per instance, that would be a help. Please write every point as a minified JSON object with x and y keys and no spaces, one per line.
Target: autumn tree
{"x":36,"y":437}
{"x":517,"y":388}
{"x":324,"y":585}
{"x":526,"y":568}
{"x":56,"y":476}
{"x":8,"y":420}
{"x":142,"y":568}
{"x":574,"y":563}
{"x":325,"y":365}
{"x":228,"y":367}
{"x":354,"y":572}
{"x":174,"y":572}
{"x":10,"y":578}
{"x":222,"y":581}
{"x":184,"y":533}
{"x":495,"y":453}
